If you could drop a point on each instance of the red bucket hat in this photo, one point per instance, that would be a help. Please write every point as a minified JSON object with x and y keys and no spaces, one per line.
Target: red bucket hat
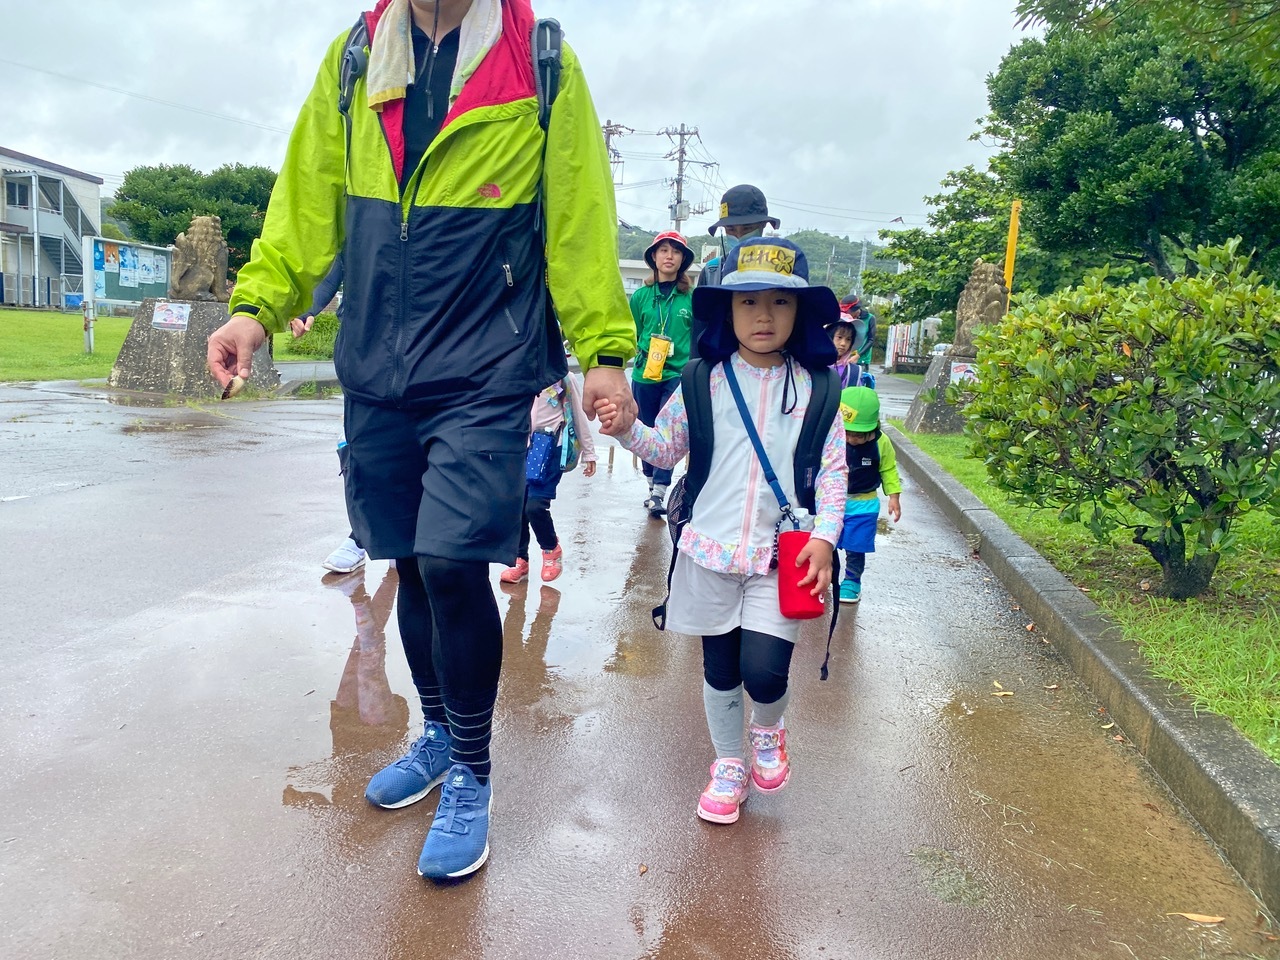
{"x":676,"y":240}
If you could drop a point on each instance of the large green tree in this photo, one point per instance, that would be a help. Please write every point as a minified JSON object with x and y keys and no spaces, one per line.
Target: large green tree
{"x":1125,"y":141}
{"x":157,"y":203}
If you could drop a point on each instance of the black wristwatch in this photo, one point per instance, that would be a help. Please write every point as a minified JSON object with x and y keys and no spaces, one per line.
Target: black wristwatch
{"x":602,"y":361}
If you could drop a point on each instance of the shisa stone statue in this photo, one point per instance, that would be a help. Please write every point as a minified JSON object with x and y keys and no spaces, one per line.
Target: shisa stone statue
{"x":199,"y":269}
{"x":984,"y":300}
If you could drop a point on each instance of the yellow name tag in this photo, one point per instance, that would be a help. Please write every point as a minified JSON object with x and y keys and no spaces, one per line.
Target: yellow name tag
{"x":659,"y":350}
{"x":767,"y":258}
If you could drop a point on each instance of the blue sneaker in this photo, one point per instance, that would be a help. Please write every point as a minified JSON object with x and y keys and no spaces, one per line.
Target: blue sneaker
{"x":458,"y":841}
{"x":850,"y":591}
{"x":415,"y":774}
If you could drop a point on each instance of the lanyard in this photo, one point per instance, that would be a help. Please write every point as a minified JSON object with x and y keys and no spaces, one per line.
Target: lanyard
{"x":663,"y":317}
{"x":770,"y":477}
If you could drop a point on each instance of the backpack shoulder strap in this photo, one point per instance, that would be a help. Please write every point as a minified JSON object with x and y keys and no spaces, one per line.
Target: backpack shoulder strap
{"x":695,"y":386}
{"x":548,"y":43}
{"x":355,"y":63}
{"x":824,"y":404}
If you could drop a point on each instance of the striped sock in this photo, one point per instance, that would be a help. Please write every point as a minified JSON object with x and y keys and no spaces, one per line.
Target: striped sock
{"x":470,"y":733}
{"x":431,"y":696}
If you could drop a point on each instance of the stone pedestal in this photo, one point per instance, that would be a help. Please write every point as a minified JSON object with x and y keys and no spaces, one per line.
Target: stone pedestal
{"x":930,"y":412}
{"x":167,"y":347}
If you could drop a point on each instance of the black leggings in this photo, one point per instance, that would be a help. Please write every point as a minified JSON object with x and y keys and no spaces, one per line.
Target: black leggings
{"x":537,"y":514}
{"x":452,"y":639}
{"x":744,"y":657}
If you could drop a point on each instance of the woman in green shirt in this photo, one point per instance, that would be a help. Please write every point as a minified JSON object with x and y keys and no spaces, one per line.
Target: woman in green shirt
{"x":663,"y":311}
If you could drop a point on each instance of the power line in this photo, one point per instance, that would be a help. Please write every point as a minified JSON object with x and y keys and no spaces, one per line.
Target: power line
{"x":142,"y":96}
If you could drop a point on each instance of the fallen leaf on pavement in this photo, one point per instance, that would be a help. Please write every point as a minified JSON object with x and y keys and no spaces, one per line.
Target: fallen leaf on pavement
{"x":996,"y":684}
{"x":1003,"y":693}
{"x":1030,"y":627}
{"x":643,"y":869}
{"x":1118,"y":738}
{"x":1052,"y":686}
{"x":1197,"y":917}
{"x":1108,"y":726}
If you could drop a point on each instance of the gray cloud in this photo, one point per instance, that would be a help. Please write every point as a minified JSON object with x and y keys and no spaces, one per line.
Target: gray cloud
{"x":845,"y":112}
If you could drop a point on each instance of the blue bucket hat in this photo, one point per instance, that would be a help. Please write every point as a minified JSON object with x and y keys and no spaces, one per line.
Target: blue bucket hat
{"x":767,"y":263}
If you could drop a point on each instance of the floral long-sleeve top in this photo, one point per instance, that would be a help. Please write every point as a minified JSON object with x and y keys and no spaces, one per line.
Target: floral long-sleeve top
{"x":734,"y":517}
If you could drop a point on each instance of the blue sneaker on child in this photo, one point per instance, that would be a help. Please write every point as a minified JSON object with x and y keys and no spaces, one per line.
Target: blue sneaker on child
{"x":850,"y":591}
{"x":458,"y":842}
{"x":415,"y":774}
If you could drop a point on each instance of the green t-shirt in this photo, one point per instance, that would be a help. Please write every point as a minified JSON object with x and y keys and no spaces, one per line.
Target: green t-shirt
{"x":670,"y":315}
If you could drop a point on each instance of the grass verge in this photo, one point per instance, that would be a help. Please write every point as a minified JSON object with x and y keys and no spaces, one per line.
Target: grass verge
{"x":37,"y":345}
{"x":1221,"y":648}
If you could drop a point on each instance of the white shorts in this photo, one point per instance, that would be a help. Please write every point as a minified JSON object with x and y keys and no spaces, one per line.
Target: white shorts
{"x":706,"y":603}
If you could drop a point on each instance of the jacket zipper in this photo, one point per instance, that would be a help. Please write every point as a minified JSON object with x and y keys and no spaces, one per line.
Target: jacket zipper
{"x":511,"y":285}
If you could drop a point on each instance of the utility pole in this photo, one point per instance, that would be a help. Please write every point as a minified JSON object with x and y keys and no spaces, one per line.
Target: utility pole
{"x":612,"y":130}
{"x":862,"y":266}
{"x":680,"y":210}
{"x":830,"y":261}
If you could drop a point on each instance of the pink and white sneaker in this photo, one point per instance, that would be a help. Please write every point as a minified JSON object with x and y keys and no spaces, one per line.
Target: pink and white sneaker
{"x":770,"y":768}
{"x":725,"y":793}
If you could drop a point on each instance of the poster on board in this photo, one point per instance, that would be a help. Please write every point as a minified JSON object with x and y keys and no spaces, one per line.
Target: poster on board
{"x":128,"y":267}
{"x":146,"y":267}
{"x":110,"y":258}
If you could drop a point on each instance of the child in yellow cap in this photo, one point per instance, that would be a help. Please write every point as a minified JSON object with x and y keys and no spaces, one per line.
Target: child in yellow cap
{"x":872,"y":464}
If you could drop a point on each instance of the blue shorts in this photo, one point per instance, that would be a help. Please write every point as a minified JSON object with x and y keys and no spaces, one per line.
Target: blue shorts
{"x":440,"y":482}
{"x":859,"y":532}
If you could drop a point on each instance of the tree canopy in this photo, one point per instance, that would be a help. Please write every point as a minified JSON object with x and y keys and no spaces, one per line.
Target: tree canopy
{"x":1124,"y":142}
{"x":1249,"y":28}
{"x":157,"y":203}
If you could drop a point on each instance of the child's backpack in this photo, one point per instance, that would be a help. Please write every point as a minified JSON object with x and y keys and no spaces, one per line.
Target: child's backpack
{"x":695,"y":385}
{"x":570,"y":446}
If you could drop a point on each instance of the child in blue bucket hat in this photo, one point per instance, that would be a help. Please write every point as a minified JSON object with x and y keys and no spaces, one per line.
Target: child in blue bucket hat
{"x":763,"y":349}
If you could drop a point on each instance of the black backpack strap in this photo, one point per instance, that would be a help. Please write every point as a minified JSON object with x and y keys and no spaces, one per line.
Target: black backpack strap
{"x":824,"y":407}
{"x":824,"y":404}
{"x":547,"y":45}
{"x":355,"y":64}
{"x":695,"y":387}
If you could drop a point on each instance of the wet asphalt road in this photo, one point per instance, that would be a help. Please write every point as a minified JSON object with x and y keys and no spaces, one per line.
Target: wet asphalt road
{"x":189,"y":714}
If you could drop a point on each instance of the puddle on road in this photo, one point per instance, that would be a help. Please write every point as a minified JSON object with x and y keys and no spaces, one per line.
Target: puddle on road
{"x":947,"y":877}
{"x":169,"y":426}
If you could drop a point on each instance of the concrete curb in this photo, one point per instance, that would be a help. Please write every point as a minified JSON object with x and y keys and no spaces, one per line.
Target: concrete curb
{"x":1226,"y":783}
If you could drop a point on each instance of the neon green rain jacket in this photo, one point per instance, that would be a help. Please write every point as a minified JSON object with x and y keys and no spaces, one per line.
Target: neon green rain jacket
{"x":445,"y":289}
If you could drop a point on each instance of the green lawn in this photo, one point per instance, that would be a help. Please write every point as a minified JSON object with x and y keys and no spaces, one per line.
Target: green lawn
{"x":36,"y":345}
{"x":1222,"y":647}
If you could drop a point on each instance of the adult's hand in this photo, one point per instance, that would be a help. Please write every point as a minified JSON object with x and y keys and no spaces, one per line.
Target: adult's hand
{"x":231,"y":348}
{"x":609,"y":384}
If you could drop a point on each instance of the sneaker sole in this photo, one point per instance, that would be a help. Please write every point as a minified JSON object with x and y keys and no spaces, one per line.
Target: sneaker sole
{"x":407,"y":801}
{"x":761,"y":788}
{"x":718,"y":817}
{"x":465,"y":871}
{"x":502,"y":579}
{"x":850,"y":601}
{"x":334,"y":568}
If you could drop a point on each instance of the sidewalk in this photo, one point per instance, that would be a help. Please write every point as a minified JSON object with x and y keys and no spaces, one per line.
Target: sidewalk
{"x":1229,"y":786}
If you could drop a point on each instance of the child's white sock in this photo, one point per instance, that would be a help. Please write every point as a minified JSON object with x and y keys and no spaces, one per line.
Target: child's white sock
{"x":725,"y":713}
{"x":660,"y":491}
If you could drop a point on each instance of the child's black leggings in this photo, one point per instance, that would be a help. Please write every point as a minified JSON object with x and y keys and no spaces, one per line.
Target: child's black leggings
{"x":537,"y":514}
{"x":757,"y":661}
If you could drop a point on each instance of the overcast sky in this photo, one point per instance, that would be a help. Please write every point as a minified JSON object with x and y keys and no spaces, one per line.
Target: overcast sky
{"x":846,"y":112}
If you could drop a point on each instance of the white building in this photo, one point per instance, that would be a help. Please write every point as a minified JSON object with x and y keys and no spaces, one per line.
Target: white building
{"x":45,"y":211}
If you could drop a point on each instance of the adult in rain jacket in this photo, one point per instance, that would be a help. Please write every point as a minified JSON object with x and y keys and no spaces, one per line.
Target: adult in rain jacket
{"x":442,"y":208}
